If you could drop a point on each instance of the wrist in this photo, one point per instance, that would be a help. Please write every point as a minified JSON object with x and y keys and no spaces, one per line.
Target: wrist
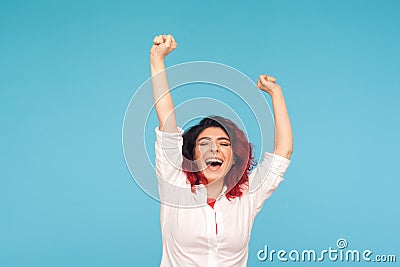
{"x":157,"y":63}
{"x":276,"y":93}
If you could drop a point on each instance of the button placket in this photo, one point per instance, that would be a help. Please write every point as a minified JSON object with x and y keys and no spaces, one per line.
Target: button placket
{"x":218,"y":218}
{"x":212,"y":237}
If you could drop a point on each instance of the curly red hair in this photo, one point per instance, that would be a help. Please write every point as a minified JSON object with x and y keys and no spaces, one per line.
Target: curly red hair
{"x":237,"y":177}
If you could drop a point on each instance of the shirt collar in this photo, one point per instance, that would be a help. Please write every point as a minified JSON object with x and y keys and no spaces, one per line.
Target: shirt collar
{"x":203,"y":189}
{"x":222,"y":192}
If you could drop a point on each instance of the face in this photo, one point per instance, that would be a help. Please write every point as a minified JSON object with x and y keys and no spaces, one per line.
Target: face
{"x":213,"y":153}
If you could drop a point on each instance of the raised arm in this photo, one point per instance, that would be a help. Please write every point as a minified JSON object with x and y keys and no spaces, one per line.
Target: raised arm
{"x":283,"y":128}
{"x":162,"y":46}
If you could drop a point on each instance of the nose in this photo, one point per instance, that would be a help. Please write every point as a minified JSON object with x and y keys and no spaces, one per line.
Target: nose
{"x":214,"y":147}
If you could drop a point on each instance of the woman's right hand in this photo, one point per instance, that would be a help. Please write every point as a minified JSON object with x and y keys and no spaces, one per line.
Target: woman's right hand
{"x":162,"y":46}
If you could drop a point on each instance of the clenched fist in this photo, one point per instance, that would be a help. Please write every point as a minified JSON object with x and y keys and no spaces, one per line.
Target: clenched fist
{"x":162,"y":46}
{"x":268,"y":84}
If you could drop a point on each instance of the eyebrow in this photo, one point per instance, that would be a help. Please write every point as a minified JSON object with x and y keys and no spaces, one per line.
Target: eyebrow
{"x":219,"y":138}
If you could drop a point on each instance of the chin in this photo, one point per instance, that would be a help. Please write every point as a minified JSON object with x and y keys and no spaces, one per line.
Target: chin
{"x":213,"y":177}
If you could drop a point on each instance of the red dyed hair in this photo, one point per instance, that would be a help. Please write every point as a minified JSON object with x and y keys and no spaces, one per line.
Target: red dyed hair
{"x":237,"y":178}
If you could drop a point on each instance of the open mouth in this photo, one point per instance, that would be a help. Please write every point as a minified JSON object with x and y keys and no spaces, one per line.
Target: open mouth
{"x":214,"y":163}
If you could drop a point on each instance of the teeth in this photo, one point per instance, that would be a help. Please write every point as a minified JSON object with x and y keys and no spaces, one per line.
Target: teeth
{"x":213,"y":160}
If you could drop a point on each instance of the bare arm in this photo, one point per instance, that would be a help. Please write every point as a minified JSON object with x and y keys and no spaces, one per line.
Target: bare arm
{"x":162,"y":46}
{"x":283,"y":128}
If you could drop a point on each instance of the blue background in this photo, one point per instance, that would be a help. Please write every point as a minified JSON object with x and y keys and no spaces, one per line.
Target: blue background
{"x":69,"y":69}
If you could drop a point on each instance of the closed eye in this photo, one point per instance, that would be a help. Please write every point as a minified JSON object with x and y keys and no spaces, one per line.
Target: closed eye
{"x":225,"y":144}
{"x":204,"y":144}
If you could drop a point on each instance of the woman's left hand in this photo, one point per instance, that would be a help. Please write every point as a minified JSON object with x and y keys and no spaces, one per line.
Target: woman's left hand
{"x":283,"y":128}
{"x":268,"y":84}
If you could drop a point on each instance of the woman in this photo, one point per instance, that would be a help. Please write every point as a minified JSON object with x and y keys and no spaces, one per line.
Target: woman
{"x":216,"y":159}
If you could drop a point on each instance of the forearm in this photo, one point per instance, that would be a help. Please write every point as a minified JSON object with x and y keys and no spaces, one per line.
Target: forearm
{"x":283,"y":129}
{"x":164,"y":104}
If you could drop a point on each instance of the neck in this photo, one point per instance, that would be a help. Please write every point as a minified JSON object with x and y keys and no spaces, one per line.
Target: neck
{"x":215,"y":188}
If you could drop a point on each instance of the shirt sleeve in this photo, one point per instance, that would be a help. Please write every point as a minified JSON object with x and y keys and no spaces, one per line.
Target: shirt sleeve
{"x":265,"y":179}
{"x":168,"y":150}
